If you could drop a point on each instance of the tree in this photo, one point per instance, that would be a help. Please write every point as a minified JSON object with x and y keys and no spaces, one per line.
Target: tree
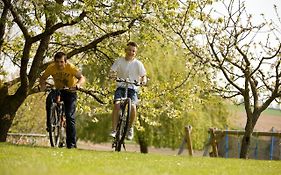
{"x":92,"y":33}
{"x":31,"y":31}
{"x":177,"y":95}
{"x":245,"y":65}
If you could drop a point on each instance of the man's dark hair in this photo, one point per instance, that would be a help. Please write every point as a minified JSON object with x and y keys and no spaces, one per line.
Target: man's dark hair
{"x":59,"y":55}
{"x":132,"y":44}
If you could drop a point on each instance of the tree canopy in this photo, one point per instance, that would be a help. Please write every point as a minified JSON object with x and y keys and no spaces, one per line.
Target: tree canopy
{"x":93,"y":34}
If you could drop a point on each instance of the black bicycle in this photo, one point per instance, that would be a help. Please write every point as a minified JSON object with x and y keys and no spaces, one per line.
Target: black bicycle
{"x":57,"y":120}
{"x":124,"y":116}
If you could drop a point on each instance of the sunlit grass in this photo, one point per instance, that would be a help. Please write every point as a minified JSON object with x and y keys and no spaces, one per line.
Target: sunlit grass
{"x":44,"y":160}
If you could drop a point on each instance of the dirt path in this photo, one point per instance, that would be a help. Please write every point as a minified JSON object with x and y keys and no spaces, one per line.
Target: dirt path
{"x":132,"y":147}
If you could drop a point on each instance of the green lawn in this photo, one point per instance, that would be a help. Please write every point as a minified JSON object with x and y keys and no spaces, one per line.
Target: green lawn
{"x":21,"y":160}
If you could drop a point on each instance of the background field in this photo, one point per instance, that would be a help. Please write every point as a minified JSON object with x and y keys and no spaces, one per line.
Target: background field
{"x":268,"y":119}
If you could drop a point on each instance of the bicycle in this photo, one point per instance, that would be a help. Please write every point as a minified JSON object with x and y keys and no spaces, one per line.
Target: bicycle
{"x":124,"y":116}
{"x":57,"y":120}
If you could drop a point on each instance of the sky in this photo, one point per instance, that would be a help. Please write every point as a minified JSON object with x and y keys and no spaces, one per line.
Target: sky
{"x":262,"y":6}
{"x":255,"y":7}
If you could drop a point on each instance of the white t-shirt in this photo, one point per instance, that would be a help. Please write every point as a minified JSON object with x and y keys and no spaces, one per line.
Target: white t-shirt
{"x":132,"y":69}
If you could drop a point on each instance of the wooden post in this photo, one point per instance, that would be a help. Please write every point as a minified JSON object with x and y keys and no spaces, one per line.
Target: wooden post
{"x":188,"y":130}
{"x":207,"y":147}
{"x":187,"y":140}
{"x":214,"y":142}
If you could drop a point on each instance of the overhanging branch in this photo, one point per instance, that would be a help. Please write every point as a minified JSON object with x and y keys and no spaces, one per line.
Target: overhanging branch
{"x":92,"y":93}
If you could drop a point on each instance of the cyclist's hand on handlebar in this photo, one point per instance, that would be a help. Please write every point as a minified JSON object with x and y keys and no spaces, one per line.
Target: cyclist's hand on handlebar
{"x":74,"y":88}
{"x":78,"y":86}
{"x":143,"y":83}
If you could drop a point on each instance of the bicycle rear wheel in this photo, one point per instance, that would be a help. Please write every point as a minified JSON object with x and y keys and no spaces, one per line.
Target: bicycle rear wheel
{"x":54,"y":126}
{"x":123,"y":124}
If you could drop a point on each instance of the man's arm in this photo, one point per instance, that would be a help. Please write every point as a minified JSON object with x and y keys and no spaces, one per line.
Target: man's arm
{"x":42,"y":83}
{"x":81,"y":80}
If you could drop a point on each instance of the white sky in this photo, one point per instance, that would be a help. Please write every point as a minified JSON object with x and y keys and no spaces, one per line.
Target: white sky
{"x":257,"y":7}
{"x":254,"y":7}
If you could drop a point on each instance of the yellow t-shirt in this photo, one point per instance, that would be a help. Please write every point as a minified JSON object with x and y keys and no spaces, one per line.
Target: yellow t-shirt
{"x":62,"y":78}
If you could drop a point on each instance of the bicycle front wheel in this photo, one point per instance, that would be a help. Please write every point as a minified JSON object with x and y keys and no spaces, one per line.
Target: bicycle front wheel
{"x":54,"y":126}
{"x":123,"y":124}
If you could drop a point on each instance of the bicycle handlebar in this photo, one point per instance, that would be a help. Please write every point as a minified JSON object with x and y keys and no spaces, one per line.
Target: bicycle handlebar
{"x":50,"y":88}
{"x":127,"y":81}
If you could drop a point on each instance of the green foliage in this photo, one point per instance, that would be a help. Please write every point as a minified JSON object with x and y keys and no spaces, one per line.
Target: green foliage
{"x":94,"y":128}
{"x":171,"y":101}
{"x":31,"y":116}
{"x":177,"y":93}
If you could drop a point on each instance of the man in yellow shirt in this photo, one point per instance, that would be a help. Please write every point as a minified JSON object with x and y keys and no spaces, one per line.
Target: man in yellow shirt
{"x":64,"y":75}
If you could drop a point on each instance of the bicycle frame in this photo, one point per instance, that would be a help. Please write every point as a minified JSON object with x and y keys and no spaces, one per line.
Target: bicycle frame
{"x":123,"y":121}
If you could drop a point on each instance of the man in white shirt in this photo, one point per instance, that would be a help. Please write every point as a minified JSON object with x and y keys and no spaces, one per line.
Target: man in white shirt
{"x":127,"y":67}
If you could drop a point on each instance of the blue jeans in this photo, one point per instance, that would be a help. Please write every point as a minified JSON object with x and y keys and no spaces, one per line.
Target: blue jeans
{"x":132,"y":94}
{"x":69,"y":99}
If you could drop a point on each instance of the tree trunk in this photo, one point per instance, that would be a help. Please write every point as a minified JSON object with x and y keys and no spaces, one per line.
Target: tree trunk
{"x":9,"y":106}
{"x":6,"y":121}
{"x":143,"y":145}
{"x":249,"y":128}
{"x":246,"y":141}
{"x":142,"y":138}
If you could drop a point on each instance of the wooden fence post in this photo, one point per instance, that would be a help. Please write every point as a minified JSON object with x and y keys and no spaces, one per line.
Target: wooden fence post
{"x":214,"y":142}
{"x":187,"y":140}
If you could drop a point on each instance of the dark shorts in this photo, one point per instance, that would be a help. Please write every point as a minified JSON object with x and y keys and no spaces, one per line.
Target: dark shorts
{"x":132,"y":94}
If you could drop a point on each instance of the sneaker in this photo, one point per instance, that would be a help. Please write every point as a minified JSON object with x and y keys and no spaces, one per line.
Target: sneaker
{"x":113,"y":133}
{"x":72,"y":147}
{"x":130,"y":134}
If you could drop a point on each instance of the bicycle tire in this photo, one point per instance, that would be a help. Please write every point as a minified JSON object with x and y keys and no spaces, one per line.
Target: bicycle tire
{"x":62,"y":131}
{"x":123,"y":124}
{"x":53,"y":125}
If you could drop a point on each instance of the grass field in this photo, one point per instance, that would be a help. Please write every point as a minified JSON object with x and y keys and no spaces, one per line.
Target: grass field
{"x":17,"y":159}
{"x":268,"y":111}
